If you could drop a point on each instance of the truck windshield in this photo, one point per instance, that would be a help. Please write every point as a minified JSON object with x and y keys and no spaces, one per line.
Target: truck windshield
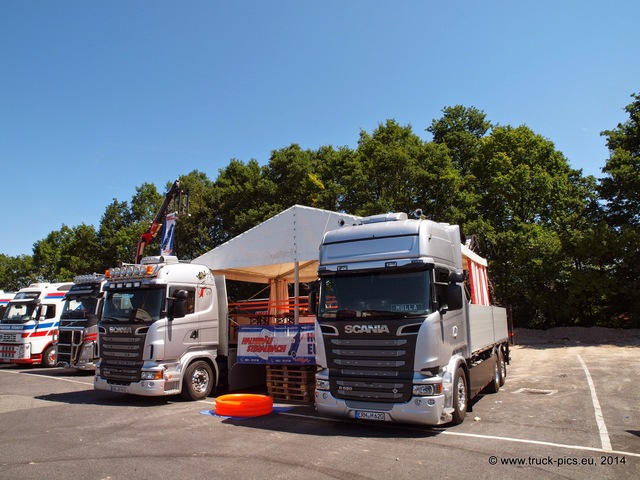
{"x":396,"y":294}
{"x":20,"y":312}
{"x":79,"y":306}
{"x":137,"y":306}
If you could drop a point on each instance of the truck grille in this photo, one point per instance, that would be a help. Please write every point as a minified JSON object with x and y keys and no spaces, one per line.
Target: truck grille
{"x":373,"y":367}
{"x":10,"y":337}
{"x":68,"y":343}
{"x":121,"y":356}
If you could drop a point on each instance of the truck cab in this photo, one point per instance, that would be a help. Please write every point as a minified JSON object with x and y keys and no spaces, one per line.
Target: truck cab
{"x":30,"y":323}
{"x":77,"y":339}
{"x":160,"y":328}
{"x":394,"y":327}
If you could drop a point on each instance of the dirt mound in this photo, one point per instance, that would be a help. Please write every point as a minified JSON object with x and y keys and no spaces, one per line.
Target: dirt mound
{"x":578,"y":335}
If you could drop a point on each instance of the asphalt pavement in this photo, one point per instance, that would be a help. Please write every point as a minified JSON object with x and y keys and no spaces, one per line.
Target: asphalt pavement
{"x":565,"y":411}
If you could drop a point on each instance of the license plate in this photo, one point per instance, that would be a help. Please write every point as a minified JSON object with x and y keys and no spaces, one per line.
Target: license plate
{"x":117,"y":389}
{"x":370,"y":416}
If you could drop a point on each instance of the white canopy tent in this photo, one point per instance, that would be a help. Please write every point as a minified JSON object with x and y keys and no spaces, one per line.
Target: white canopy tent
{"x":282,"y":248}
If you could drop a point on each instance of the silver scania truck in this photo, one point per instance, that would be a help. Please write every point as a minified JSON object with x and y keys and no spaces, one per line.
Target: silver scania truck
{"x":405,"y":331}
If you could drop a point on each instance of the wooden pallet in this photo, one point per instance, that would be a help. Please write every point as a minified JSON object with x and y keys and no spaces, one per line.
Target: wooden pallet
{"x":291,"y":382}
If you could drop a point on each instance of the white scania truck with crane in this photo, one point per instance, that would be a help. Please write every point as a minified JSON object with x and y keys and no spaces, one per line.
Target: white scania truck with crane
{"x":398,"y":336}
{"x":164,"y":328}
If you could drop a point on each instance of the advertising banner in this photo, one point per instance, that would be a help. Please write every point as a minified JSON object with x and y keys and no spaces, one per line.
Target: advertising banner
{"x":166,"y":245}
{"x":276,"y":344}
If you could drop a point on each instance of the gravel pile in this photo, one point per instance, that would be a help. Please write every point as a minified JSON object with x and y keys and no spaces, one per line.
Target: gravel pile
{"x":578,"y":336}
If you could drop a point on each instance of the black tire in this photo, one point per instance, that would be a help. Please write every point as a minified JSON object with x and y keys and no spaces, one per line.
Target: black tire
{"x":460,"y":397}
{"x":198,"y":381}
{"x":494,"y":385}
{"x":502,"y":368}
{"x":49,"y":357}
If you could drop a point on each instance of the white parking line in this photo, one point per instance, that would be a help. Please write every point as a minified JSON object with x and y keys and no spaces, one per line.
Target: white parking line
{"x":50,"y":378}
{"x":602,"y":428}
{"x":484,"y":437}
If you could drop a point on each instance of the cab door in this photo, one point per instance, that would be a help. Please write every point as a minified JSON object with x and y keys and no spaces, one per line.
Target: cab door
{"x":182,"y":333}
{"x":206,"y":310}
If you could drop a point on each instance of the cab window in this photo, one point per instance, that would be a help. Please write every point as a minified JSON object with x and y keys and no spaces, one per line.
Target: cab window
{"x":191,"y":296}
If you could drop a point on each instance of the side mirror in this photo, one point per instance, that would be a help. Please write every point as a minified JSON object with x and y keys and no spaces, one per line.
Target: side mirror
{"x":313,"y":302}
{"x":454,"y":291}
{"x":313,"y":298}
{"x":456,"y":277}
{"x":180,"y":304}
{"x":454,"y":297}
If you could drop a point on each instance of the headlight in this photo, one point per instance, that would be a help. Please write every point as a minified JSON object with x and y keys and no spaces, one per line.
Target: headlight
{"x":87,"y":352}
{"x":322,"y":384}
{"x":426,"y":390}
{"x":151,"y":375}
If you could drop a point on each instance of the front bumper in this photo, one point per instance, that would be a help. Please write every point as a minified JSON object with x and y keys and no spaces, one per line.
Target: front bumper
{"x":419,"y":410}
{"x":19,"y":353}
{"x":169,"y":384}
{"x":147,"y":388}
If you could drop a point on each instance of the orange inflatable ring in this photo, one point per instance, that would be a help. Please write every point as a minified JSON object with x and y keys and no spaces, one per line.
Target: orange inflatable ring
{"x":243,"y":405}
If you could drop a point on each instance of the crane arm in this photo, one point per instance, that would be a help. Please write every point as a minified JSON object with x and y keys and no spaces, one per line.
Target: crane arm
{"x":149,"y":235}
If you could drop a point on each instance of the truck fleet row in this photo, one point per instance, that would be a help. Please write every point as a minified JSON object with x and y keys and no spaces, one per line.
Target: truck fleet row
{"x":404,"y":328}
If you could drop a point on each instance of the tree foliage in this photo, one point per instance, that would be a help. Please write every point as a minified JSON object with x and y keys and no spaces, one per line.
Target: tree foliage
{"x":563,"y":248}
{"x":620,"y":192}
{"x":16,"y":272}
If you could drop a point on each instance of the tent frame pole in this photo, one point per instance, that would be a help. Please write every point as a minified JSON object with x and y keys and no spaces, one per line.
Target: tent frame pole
{"x":296,"y":293}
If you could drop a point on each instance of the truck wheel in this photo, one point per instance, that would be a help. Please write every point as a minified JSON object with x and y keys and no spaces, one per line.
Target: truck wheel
{"x":460,"y":397}
{"x":494,"y":385}
{"x":48,"y":357}
{"x":503,"y":367}
{"x":198,"y":381}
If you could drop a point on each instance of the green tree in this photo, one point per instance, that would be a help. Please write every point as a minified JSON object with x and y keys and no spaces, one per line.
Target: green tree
{"x":65,"y":253}
{"x":122,"y":224}
{"x":620,"y":192}
{"x":620,"y":189}
{"x":115,"y":236}
{"x":292,"y":171}
{"x":335,"y":170}
{"x":529,"y":202}
{"x":246,"y":197}
{"x":16,"y":272}
{"x":81,"y":253}
{"x":461,"y":129}
{"x":200,"y":230}
{"x":394,"y":170}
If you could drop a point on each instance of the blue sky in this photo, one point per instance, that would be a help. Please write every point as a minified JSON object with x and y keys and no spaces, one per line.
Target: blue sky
{"x":98,"y":97}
